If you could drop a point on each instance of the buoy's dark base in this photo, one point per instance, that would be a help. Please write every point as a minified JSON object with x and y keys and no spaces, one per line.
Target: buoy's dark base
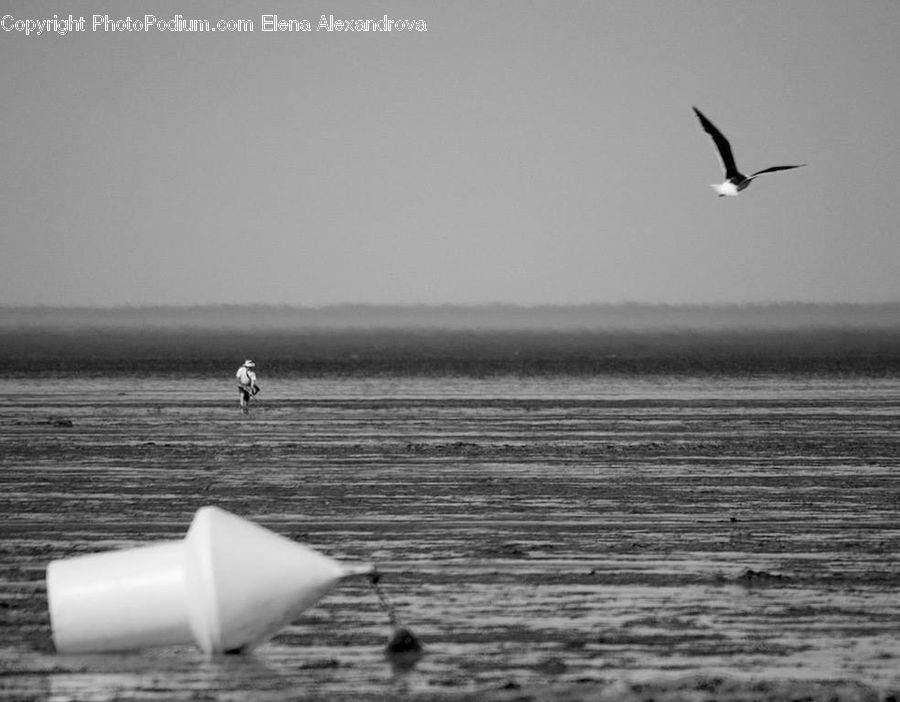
{"x":403,"y":641}
{"x":403,"y":650}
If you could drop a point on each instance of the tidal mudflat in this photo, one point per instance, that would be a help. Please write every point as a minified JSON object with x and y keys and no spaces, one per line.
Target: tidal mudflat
{"x":548,"y":538}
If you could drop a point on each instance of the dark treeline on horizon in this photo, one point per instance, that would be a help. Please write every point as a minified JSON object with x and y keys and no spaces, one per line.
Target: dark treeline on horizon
{"x":429,"y":352}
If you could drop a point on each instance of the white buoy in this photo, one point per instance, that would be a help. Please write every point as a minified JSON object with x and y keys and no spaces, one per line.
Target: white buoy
{"x":229,"y":585}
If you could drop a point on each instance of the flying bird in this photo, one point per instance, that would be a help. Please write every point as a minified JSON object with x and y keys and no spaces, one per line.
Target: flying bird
{"x":735,"y":181}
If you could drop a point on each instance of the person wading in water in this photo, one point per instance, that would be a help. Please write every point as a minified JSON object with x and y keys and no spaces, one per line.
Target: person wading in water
{"x":247,"y":386}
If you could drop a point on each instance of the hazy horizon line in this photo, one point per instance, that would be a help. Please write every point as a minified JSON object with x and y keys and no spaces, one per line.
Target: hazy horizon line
{"x":488,"y":316}
{"x":450,"y":305}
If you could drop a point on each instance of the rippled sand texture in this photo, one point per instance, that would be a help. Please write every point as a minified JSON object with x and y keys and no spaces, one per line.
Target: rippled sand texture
{"x":718,"y":539}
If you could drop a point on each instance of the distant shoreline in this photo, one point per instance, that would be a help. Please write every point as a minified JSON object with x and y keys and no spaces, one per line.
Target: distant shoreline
{"x":313,"y":352}
{"x":488,"y":340}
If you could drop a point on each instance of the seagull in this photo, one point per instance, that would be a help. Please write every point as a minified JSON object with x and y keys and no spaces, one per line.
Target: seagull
{"x":735,"y":181}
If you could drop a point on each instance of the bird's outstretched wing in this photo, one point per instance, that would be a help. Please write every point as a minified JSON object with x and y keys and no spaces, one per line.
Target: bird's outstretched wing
{"x":721,"y":144}
{"x":776,"y":168}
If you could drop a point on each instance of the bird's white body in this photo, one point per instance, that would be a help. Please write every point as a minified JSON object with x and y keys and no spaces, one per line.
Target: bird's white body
{"x":726,"y":188}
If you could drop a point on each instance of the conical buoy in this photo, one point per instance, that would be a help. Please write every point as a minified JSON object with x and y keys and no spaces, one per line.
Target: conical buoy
{"x":228,"y":586}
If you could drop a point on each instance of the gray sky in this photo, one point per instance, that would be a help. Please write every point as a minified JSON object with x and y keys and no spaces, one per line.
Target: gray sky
{"x":523,"y":152}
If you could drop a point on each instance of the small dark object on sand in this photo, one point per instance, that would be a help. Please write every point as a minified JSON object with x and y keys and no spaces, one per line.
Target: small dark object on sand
{"x":403,"y":651}
{"x":403,"y":641}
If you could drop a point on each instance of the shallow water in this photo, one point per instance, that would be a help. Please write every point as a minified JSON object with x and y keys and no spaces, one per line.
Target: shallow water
{"x":533,"y":532}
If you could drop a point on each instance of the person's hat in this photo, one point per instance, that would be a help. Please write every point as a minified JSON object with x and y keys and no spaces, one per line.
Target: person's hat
{"x":249,"y":364}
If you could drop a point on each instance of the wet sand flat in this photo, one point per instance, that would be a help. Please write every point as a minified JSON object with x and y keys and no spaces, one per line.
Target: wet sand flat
{"x":712,"y":538}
